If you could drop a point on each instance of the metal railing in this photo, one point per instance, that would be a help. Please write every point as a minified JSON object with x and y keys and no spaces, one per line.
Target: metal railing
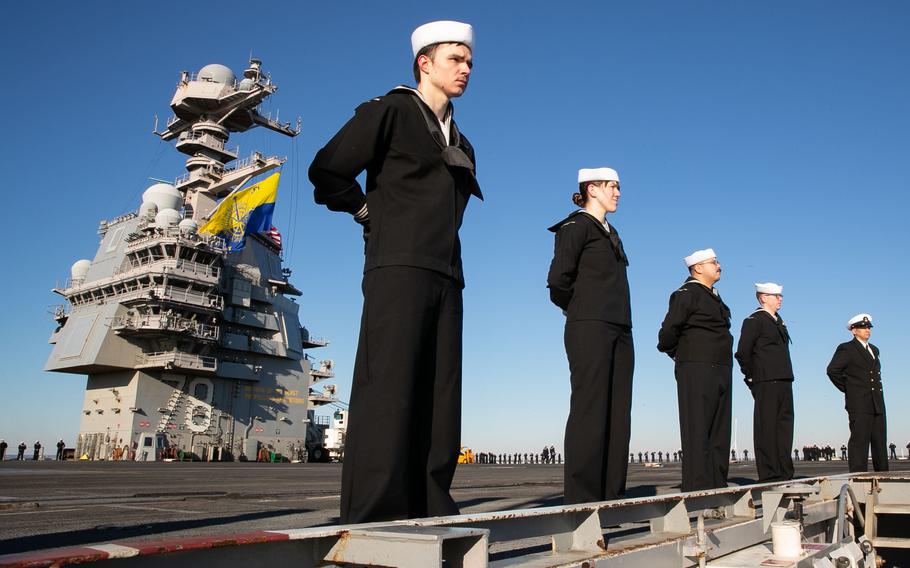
{"x":253,"y":159}
{"x":166,"y":322}
{"x":139,"y":239}
{"x":209,"y":141}
{"x":187,"y":267}
{"x":177,"y":360}
{"x":174,"y":294}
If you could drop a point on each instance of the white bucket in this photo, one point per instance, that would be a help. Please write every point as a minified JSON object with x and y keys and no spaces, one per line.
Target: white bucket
{"x":786,"y":540}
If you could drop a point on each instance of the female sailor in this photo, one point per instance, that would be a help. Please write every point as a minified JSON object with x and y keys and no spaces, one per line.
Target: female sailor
{"x":588,"y":281}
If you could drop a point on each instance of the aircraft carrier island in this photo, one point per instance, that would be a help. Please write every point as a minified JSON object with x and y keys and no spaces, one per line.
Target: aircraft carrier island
{"x":190,"y":338}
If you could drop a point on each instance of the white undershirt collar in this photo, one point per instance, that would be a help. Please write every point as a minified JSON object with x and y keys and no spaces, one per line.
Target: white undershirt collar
{"x":446,"y":123}
{"x":603,"y":222}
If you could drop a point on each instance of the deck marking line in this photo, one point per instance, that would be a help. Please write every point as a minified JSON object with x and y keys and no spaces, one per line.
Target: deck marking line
{"x":143,"y":508}
{"x":36,"y":512}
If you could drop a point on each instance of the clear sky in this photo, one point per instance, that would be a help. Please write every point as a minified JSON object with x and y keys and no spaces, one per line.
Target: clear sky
{"x":774,"y":132}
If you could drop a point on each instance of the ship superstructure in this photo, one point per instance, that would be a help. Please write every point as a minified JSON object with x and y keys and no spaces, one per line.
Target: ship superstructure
{"x":190,"y":349}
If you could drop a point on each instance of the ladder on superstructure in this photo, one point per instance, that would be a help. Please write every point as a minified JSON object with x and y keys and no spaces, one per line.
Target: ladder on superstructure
{"x":173,"y":403}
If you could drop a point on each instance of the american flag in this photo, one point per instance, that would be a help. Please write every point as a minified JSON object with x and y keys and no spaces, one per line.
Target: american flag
{"x":274,"y":236}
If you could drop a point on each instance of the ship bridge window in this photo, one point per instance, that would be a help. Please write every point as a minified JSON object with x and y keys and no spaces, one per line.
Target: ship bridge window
{"x":201,"y":391}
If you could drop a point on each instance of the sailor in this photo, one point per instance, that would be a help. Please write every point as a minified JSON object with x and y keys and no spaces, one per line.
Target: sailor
{"x":3,"y":446}
{"x":60,"y":446}
{"x":696,"y":334}
{"x":763,"y":354}
{"x":843,"y":451}
{"x":588,"y":281}
{"x":403,"y":438}
{"x":856,"y":370}
{"x":22,"y":447}
{"x":37,"y":448}
{"x":892,"y":446}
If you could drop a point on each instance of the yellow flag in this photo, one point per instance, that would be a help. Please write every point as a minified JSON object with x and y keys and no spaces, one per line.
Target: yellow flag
{"x":245,"y":211}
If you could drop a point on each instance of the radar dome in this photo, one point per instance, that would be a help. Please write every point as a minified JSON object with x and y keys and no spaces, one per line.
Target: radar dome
{"x":164,"y":195}
{"x":167,"y":218}
{"x":79,"y":270}
{"x":216,"y":73}
{"x":188,"y":226}
{"x":148,"y":209}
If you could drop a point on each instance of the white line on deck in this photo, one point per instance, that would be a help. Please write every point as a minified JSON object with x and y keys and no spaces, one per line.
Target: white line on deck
{"x":144,"y":508}
{"x":36,"y":512}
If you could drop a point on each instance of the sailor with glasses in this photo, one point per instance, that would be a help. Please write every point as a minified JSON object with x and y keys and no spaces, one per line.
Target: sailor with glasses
{"x":696,"y":334}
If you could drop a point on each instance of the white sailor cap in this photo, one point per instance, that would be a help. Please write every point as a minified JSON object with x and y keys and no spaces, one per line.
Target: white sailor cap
{"x":443,"y":31}
{"x":699,"y":256}
{"x":860,"y":320}
{"x":769,"y":288}
{"x":597,"y":174}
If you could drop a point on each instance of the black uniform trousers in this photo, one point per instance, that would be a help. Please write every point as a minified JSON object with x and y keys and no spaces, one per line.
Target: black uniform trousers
{"x":772,"y":429}
{"x":601,"y":360}
{"x":866,"y":429}
{"x":405,"y":423}
{"x":705,"y":410}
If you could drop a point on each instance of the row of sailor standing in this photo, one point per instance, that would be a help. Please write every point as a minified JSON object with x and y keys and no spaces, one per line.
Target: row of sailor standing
{"x":403,"y":435}
{"x":588,"y":280}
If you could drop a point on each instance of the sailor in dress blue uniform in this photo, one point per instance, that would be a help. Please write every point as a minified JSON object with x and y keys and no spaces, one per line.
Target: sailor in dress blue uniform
{"x":587,"y":280}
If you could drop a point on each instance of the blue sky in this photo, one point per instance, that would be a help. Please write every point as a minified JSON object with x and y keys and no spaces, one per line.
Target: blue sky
{"x":774,"y":132}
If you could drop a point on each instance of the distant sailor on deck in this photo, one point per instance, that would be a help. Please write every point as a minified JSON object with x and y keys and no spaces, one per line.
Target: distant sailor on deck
{"x":403,"y":437}
{"x":856,"y":370}
{"x":587,"y":279}
{"x":764,"y":359}
{"x":696,"y":334}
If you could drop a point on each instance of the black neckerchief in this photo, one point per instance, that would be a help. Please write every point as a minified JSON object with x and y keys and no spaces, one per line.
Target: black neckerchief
{"x":779,"y":322}
{"x":613,"y":235}
{"x":712,"y":293}
{"x":451,"y":154}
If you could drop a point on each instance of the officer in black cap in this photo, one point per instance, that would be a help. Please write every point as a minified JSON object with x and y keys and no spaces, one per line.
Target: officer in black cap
{"x":856,"y":370}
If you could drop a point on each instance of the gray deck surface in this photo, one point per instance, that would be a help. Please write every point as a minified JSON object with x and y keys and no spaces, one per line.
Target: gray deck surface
{"x":53,"y":504}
